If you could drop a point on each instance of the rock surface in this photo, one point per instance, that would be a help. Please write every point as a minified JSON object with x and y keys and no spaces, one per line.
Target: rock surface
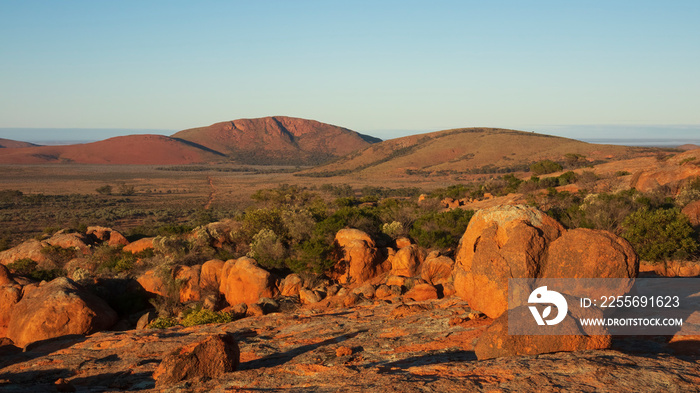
{"x":400,"y":348}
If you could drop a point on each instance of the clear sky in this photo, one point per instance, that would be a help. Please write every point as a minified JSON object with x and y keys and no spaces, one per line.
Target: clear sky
{"x":385,"y":68}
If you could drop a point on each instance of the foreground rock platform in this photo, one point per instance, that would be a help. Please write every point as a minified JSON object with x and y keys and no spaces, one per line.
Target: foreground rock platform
{"x":372,"y":347}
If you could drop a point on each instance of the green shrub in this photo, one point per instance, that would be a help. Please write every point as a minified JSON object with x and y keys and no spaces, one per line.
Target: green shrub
{"x":114,"y":259}
{"x":267,"y":249}
{"x":660,"y":234}
{"x":393,"y":229}
{"x":574,"y":160}
{"x":545,"y":166}
{"x":27,"y":267}
{"x":58,"y":254}
{"x":162,"y":323}
{"x":441,"y":230}
{"x":567,"y":178}
{"x":201,"y":316}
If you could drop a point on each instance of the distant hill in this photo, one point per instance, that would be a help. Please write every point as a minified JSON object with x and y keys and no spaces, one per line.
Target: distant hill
{"x":131,"y":149}
{"x":466,"y":151}
{"x":10,"y":144}
{"x":277,"y":140}
{"x":688,"y":146}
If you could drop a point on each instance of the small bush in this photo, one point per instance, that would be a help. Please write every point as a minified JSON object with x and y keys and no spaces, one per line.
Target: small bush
{"x":393,"y":230}
{"x":660,"y":234}
{"x":441,"y":230}
{"x":162,"y":323}
{"x":544,"y":167}
{"x":201,"y":316}
{"x":267,"y":249}
{"x":27,"y":267}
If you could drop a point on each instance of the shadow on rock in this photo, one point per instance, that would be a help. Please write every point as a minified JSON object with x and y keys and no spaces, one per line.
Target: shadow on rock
{"x":278,"y":359}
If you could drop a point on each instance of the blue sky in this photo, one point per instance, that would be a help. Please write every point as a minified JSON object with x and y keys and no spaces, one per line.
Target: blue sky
{"x":386,"y":68}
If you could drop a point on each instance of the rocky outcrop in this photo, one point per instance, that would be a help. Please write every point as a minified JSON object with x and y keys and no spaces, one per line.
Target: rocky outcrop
{"x":55,"y":309}
{"x":210,"y":358}
{"x":361,"y":259}
{"x":671,"y":173}
{"x":411,"y":348}
{"x":501,"y":243}
{"x":407,"y":261}
{"x":243,"y":281}
{"x":522,"y":242}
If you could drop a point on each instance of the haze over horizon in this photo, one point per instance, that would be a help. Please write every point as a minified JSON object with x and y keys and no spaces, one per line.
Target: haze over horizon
{"x":599,"y":70}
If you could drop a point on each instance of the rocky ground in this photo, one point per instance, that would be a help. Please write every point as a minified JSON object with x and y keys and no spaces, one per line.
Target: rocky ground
{"x":371,"y":347}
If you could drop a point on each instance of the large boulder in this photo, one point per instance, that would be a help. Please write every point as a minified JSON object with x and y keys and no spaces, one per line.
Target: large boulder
{"x":31,"y":249}
{"x":437,"y":269}
{"x":188,"y":278}
{"x":243,"y":281}
{"x":588,"y":253}
{"x":361,"y":259}
{"x":5,"y":276}
{"x":209,"y":358}
{"x":155,"y":282}
{"x":109,"y":235}
{"x":210,"y":275}
{"x":692,"y":211}
{"x":347,"y":235}
{"x":55,"y":309}
{"x":139,"y":245}
{"x":9,"y":296}
{"x":71,"y":240}
{"x":291,"y":285}
{"x":407,"y":261}
{"x":500,"y":243}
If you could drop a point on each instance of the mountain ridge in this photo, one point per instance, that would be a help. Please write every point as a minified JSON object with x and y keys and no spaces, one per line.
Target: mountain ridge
{"x":276,"y":140}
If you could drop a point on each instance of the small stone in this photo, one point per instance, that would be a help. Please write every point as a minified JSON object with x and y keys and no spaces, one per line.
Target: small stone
{"x":209,"y":358}
{"x":63,"y":386}
{"x":343,"y":351}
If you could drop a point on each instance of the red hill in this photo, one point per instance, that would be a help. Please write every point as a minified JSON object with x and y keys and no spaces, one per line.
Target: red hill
{"x":277,"y":140}
{"x":132,"y":149}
